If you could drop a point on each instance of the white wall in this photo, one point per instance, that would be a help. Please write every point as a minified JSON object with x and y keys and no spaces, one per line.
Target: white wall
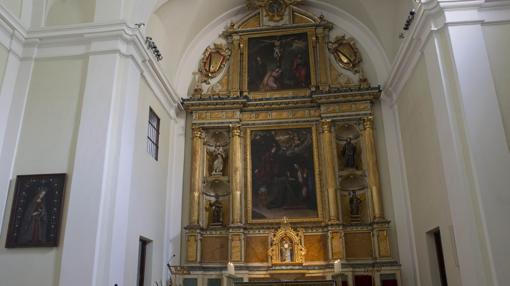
{"x":149,"y":191}
{"x":65,"y":12}
{"x":14,"y":6}
{"x":4,"y":53}
{"x":498,"y":47}
{"x":46,"y":145}
{"x":425,"y":176}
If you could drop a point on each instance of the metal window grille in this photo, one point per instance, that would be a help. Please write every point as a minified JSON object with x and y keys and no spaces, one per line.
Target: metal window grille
{"x":153,"y":134}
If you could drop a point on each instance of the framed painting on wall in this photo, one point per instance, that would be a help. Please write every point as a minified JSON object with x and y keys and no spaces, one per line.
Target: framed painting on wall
{"x":282,"y":177}
{"x":278,"y":61}
{"x":36,"y":211}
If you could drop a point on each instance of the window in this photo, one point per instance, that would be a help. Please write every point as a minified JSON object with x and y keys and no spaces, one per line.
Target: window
{"x":153,"y":134}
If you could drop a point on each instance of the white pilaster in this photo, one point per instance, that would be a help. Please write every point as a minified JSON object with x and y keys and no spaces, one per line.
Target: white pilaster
{"x":174,"y":192}
{"x":130,"y":93}
{"x":458,"y":184}
{"x":84,"y":257}
{"x":16,"y":92}
{"x":486,"y":147}
{"x":400,"y":194}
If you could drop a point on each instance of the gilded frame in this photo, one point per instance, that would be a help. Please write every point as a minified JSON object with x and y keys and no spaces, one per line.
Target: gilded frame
{"x":249,"y":180}
{"x":285,"y":92}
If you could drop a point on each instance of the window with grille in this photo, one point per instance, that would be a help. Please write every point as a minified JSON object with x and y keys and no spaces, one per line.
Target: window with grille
{"x":153,"y":134}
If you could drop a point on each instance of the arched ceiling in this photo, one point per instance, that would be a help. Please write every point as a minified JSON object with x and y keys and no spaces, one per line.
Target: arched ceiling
{"x":176,"y":23}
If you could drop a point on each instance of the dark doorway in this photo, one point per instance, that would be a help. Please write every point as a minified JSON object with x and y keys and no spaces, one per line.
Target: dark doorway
{"x":440,"y":257}
{"x":142,"y":261}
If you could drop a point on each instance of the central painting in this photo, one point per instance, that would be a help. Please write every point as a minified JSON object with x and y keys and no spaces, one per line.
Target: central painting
{"x":283,"y":177}
{"x":278,"y":62}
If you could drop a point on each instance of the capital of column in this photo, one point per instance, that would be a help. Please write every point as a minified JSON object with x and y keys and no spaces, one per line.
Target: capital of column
{"x":236,"y":130}
{"x":368,"y":122}
{"x":197,"y":132}
{"x":326,"y":126}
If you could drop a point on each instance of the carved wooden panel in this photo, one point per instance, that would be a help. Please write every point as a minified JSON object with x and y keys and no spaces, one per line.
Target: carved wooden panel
{"x":316,"y":248}
{"x":358,"y":245}
{"x":256,"y":249}
{"x":336,"y":245}
{"x":214,"y":249}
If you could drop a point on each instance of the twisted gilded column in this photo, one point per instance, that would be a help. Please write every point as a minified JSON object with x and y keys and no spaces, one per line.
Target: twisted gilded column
{"x":236,"y":173}
{"x":196,"y":174}
{"x":373,"y":172}
{"x":329,"y":170}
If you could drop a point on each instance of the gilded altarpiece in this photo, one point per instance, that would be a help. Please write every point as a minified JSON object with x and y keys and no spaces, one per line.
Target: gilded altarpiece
{"x":283,"y":176}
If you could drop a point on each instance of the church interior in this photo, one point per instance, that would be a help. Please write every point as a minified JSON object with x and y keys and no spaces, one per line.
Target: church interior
{"x":254,"y":142}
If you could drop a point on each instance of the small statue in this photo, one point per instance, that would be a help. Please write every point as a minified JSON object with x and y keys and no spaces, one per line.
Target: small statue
{"x":218,"y":162}
{"x":354,"y":203}
{"x":286,"y":251}
{"x":216,"y":212}
{"x":349,"y":154}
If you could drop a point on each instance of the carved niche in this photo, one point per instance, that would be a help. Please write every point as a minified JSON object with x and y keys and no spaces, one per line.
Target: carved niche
{"x":287,"y":246}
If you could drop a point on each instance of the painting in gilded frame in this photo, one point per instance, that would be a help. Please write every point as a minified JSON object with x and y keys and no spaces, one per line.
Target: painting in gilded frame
{"x":283,"y":178}
{"x":278,"y":62}
{"x":36,"y":211}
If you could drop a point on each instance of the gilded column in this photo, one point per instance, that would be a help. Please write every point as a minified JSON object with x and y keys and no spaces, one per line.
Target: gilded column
{"x":329,"y":170}
{"x":236,"y":173}
{"x":196,"y":174}
{"x":373,"y":172}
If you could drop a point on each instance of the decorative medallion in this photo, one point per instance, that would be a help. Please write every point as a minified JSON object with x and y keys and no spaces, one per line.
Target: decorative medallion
{"x":287,"y":246}
{"x":213,"y":61}
{"x":274,"y":9}
{"x":346,"y":53}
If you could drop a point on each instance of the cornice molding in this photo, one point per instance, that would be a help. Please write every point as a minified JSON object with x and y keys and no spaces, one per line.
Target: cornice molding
{"x":89,"y":39}
{"x":432,"y":16}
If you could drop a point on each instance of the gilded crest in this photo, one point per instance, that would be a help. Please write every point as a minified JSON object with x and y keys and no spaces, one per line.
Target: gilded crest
{"x":273,"y":9}
{"x":346,"y":53}
{"x":287,"y":246}
{"x":213,"y":61}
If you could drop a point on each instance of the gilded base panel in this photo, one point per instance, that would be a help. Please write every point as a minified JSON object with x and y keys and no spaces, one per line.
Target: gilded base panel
{"x":214,"y":249}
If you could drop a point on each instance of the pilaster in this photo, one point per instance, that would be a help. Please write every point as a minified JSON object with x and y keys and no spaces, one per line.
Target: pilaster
{"x":88,"y":228}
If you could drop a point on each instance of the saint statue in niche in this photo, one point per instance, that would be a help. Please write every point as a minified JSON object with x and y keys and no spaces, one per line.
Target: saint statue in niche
{"x":354,"y":203}
{"x":216,"y":211}
{"x":349,"y":154}
{"x":219,"y":153}
{"x":286,"y":250}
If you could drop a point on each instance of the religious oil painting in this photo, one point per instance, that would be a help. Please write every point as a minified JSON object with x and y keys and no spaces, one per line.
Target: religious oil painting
{"x":36,"y":211}
{"x":279,"y":62}
{"x":283,"y":179}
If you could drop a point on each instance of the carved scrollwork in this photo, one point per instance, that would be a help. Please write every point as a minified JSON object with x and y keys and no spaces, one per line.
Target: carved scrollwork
{"x":213,"y":61}
{"x":274,"y":9}
{"x":346,"y":53}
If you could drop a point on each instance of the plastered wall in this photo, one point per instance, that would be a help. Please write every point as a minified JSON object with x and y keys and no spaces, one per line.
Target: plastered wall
{"x":46,"y":145}
{"x":498,"y":47}
{"x":425,"y":180}
{"x":149,"y":191}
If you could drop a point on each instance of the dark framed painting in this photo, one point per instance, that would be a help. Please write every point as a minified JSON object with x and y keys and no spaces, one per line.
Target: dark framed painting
{"x":283,"y":178}
{"x":278,"y":62}
{"x":36,"y":211}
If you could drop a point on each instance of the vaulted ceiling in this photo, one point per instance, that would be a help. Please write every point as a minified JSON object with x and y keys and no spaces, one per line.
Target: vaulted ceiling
{"x":177,"y":23}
